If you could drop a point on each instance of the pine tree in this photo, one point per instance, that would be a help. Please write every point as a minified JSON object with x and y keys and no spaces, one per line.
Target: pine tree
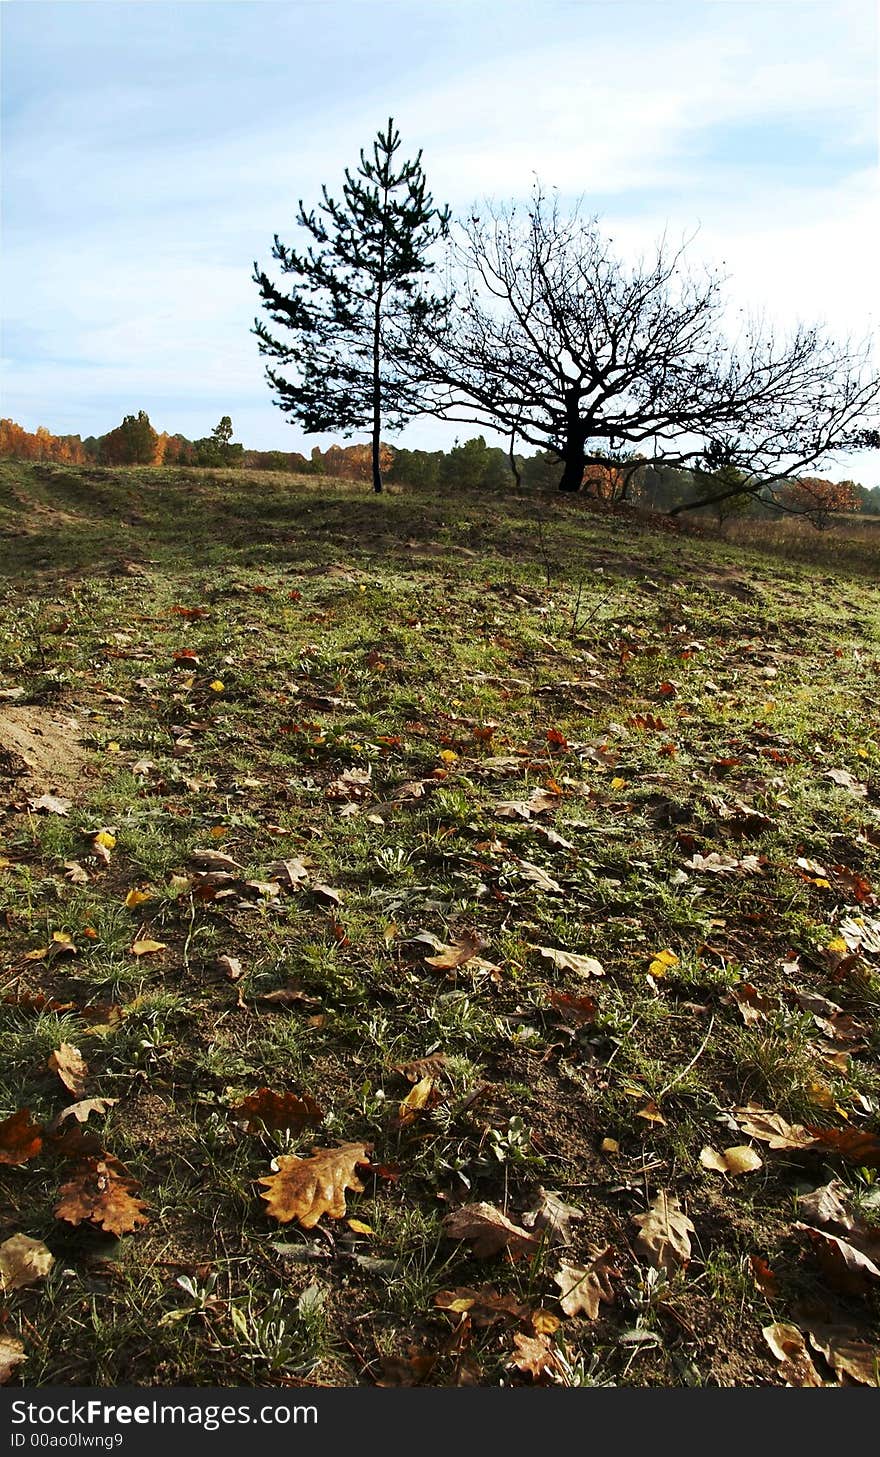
{"x":358,"y":298}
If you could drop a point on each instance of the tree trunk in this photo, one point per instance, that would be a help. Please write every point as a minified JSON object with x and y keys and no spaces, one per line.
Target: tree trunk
{"x":572,"y":477}
{"x":377,"y":408}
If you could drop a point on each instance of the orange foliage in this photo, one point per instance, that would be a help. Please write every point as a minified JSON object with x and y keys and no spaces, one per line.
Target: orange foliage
{"x":352,"y":462}
{"x":18,"y":443}
{"x":817,"y":498}
{"x":604,"y":482}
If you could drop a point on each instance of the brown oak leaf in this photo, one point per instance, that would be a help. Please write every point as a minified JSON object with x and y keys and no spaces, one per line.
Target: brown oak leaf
{"x":571,"y":961}
{"x":20,"y":1138}
{"x":304,"y":1189}
{"x":12,"y":1353}
{"x":23,"y":1261}
{"x":276,"y":1111}
{"x":664,"y":1234}
{"x":551,"y":1216}
{"x":771,"y":1128}
{"x":462,"y":950}
{"x":846,"y":1266}
{"x":584,"y":1287}
{"x":536,"y":1356}
{"x":790,"y":1349}
{"x":67,"y":1061}
{"x":81,"y":1111}
{"x":102,"y":1192}
{"x":488,"y":1231}
{"x":846,"y":1353}
{"x":857,"y":1145}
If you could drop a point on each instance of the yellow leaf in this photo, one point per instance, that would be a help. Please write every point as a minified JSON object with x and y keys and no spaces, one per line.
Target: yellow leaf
{"x":822,"y":883}
{"x":216,"y":686}
{"x":62,"y":938}
{"x":609,"y":1145}
{"x":218,"y":832}
{"x":105,"y":839}
{"x":618,"y":783}
{"x":136,"y":898}
{"x":147,"y":947}
{"x":417,"y":1098}
{"x":113,"y":747}
{"x":838,"y":944}
{"x":545,"y":1323}
{"x":358,"y":1226}
{"x":448,"y":756}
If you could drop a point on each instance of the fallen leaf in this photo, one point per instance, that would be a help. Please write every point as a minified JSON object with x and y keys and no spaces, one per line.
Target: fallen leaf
{"x":848,"y":781}
{"x":571,"y":961}
{"x":651,"y":1113}
{"x":752,"y":1005}
{"x":845,"y":1353}
{"x":277,"y":1111}
{"x":584,"y":1287}
{"x":738,"y":1160}
{"x":790,"y":1349}
{"x":716,"y":864}
{"x":422,"y":1067}
{"x":664,"y":1234}
{"x":771,"y":1128}
{"x":137,"y":898}
{"x":75,"y":873}
{"x":52,"y":804}
{"x":81,"y":1110}
{"x":214,"y":860}
{"x":858,"y":1145}
{"x":23,"y":1261}
{"x":766,"y":1280}
{"x":327,"y":893}
{"x":102,"y":844}
{"x":462,"y":950}
{"x":287,"y":997}
{"x":289,"y":873}
{"x":535,"y":1356}
{"x":420,"y":1096}
{"x":12,"y":1353}
{"x":68,"y":1063}
{"x":488,"y":1231}
{"x":304,"y":1189}
{"x":539,"y":878}
{"x":846,"y":1266}
{"x":230,"y":966}
{"x":662,"y":963}
{"x":579,"y":1010}
{"x":484,"y":1305}
{"x":102,"y":1192}
{"x":147,"y":947}
{"x":20,"y":1138}
{"x":553,"y":838}
{"x":551,"y":1217}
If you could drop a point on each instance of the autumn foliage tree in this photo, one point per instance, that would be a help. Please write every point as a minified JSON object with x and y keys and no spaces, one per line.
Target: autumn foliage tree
{"x":818,"y":499}
{"x":134,"y":442}
{"x":20,"y":444}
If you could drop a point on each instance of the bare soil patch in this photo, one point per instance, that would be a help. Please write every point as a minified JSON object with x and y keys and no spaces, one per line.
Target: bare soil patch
{"x":40,"y":748}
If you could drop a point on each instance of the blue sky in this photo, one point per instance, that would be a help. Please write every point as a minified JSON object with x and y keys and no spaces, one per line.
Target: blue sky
{"x":151,"y":150}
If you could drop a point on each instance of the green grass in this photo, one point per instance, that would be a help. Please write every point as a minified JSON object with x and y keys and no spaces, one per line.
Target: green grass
{"x":656,"y":678}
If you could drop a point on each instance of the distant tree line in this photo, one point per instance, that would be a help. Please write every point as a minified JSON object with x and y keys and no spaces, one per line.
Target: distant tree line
{"x":470,"y":465}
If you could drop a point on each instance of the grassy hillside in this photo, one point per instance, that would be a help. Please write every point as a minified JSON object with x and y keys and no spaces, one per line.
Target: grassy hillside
{"x":515,"y":849}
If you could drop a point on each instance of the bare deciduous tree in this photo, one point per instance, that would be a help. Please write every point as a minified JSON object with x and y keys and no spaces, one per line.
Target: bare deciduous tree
{"x":554,"y":340}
